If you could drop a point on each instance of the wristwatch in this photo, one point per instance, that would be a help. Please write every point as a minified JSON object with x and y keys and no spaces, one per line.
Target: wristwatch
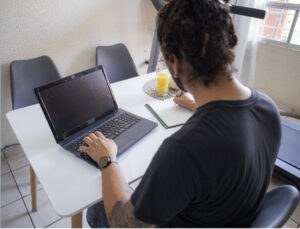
{"x":105,"y":161}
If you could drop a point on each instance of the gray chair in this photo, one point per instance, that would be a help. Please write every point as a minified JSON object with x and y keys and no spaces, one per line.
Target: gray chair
{"x":117,"y":62}
{"x":28,"y":74}
{"x":278,"y":205}
{"x":25,"y":76}
{"x":159,"y":4}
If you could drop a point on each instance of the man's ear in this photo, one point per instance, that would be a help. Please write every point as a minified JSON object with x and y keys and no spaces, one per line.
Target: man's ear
{"x":175,"y":65}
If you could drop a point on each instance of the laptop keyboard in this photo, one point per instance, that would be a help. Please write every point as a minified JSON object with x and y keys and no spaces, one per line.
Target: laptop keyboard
{"x":111,"y":129}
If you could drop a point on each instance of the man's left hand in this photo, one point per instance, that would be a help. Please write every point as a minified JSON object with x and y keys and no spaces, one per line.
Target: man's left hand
{"x":99,"y":146}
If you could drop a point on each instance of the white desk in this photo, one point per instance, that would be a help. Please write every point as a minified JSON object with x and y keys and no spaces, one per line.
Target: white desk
{"x":70,"y":183}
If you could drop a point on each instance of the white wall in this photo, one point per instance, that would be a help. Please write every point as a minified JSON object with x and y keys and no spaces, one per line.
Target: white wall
{"x":278,"y":75}
{"x":68,"y":31}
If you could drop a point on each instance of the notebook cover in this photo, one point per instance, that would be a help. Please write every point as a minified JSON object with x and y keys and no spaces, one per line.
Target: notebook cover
{"x":159,"y":119}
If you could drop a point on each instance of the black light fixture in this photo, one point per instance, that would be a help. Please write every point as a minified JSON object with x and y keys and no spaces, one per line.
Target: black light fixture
{"x":240,"y":10}
{"x":246,"y":11}
{"x":234,"y":9}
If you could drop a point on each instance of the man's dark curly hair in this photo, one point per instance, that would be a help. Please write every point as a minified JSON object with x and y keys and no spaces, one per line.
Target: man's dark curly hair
{"x":200,"y":32}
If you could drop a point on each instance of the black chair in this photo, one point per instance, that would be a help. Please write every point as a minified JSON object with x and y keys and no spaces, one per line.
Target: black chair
{"x":116,"y":61}
{"x":279,"y":204}
{"x":28,"y":74}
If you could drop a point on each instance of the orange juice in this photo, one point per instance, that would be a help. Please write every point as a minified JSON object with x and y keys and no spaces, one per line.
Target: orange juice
{"x":162,"y":83}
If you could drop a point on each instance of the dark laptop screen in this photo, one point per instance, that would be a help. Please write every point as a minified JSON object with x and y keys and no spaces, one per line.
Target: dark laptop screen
{"x":76,"y":101}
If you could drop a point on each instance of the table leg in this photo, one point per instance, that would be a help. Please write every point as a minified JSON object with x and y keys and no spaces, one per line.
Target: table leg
{"x":33,"y":183}
{"x":77,"y":220}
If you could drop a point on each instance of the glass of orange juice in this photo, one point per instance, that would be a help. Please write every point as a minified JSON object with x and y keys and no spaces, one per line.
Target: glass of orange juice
{"x":162,"y":83}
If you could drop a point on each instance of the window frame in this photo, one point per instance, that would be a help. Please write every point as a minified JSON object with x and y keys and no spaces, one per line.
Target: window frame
{"x":286,"y":6}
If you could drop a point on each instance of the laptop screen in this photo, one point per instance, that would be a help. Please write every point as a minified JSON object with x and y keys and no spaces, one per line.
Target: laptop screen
{"x":74,"y":102}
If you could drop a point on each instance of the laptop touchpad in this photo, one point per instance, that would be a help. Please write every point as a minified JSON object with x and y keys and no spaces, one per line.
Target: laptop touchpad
{"x":123,"y":142}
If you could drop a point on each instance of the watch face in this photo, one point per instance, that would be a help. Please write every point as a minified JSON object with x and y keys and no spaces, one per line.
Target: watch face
{"x":103,"y":162}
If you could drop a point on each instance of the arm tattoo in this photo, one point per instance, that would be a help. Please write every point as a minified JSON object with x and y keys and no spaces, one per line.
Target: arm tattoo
{"x":122,"y":215}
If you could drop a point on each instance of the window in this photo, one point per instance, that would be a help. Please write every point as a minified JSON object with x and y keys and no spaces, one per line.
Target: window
{"x":281,"y":24}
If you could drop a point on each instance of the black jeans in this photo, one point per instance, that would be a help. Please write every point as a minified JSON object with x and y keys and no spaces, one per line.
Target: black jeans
{"x":96,"y":216}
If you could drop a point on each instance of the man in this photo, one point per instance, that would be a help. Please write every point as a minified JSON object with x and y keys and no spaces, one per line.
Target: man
{"x":215,"y":170}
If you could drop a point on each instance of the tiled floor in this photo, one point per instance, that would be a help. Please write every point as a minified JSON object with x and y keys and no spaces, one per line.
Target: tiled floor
{"x":16,"y":198}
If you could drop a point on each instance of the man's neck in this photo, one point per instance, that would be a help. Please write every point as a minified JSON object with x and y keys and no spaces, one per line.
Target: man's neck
{"x":224,"y":89}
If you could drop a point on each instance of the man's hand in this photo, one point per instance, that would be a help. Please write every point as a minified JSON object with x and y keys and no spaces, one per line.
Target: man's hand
{"x":116,"y":191}
{"x":184,"y":101}
{"x":99,"y":146}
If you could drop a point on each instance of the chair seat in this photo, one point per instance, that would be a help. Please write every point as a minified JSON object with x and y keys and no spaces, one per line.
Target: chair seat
{"x":278,"y":206}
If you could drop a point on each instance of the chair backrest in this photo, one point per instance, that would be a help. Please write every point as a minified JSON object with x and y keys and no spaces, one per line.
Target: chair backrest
{"x":159,"y":4}
{"x":117,"y":62}
{"x":28,"y":74}
{"x":279,"y":204}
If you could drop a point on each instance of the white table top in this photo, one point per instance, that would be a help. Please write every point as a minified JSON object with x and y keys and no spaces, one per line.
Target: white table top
{"x":70,"y":183}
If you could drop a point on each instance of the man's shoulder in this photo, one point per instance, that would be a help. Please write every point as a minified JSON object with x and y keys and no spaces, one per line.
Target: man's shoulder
{"x":218,"y":120}
{"x":265,"y":100}
{"x":195,"y":132}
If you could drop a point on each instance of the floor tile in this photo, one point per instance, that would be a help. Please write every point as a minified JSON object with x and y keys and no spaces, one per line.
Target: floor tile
{"x":15,"y":215}
{"x":22,"y":177}
{"x":296,"y":215}
{"x":84,"y":222}
{"x":4,"y":166}
{"x":45,"y":213}
{"x":16,"y":158}
{"x":275,"y":182}
{"x":62,"y":223}
{"x":9,"y":190}
{"x":290,"y":224}
{"x":66,"y":222}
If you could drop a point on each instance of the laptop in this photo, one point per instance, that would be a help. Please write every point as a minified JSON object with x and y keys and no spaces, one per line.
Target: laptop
{"x":82,"y":103}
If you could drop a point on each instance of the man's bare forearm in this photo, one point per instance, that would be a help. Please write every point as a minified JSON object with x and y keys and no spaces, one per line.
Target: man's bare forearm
{"x":116,"y":195}
{"x":114,"y":186}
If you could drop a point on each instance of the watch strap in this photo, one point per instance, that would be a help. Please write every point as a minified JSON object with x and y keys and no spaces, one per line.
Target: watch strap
{"x":110,"y":160}
{"x":113,"y":160}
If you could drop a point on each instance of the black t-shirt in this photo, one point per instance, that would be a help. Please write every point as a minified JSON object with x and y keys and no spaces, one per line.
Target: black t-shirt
{"x":215,"y":170}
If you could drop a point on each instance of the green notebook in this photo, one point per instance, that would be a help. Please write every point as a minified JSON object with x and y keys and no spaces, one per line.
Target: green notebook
{"x":168,"y":113}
